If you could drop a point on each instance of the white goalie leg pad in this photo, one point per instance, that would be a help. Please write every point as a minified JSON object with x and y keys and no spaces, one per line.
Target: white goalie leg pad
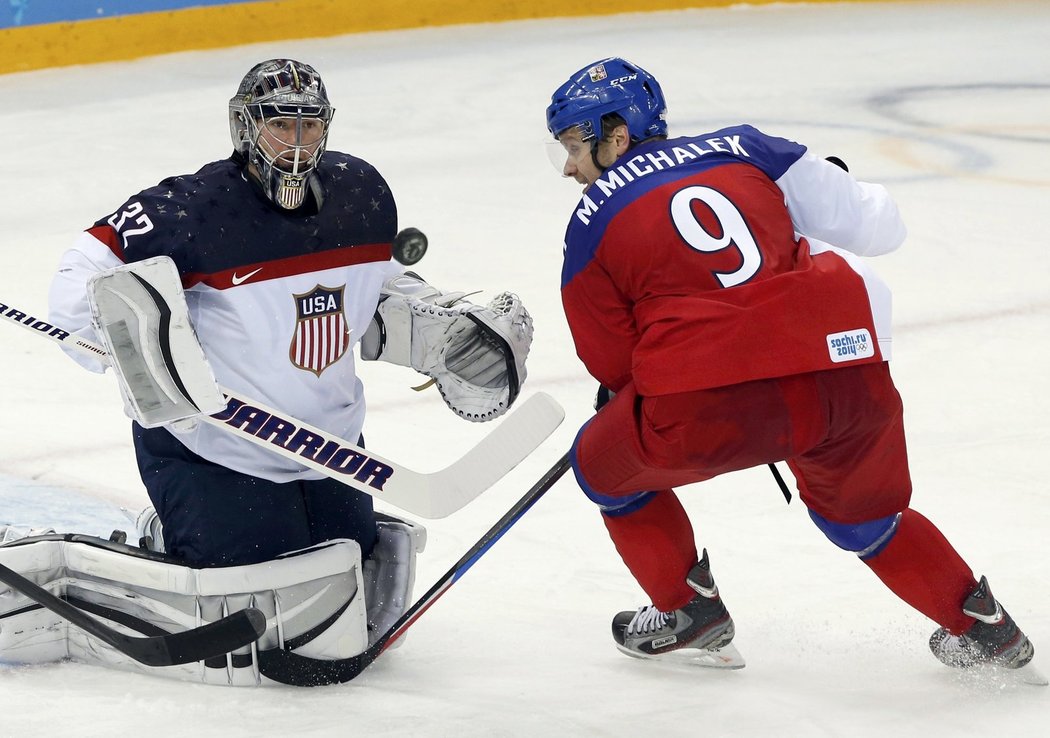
{"x":139,"y":310}
{"x":30,"y":634}
{"x":312,"y":599}
{"x":390,"y":573}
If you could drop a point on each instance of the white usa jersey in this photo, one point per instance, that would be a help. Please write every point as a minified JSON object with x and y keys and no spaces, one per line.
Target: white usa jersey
{"x":277,"y":299}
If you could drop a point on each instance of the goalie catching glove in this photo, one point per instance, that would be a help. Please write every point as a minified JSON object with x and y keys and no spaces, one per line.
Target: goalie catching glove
{"x":475,"y":354}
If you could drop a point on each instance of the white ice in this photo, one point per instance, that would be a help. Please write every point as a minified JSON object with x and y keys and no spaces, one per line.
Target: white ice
{"x":946,"y":103}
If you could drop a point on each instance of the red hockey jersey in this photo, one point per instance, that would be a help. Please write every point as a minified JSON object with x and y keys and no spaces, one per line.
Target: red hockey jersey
{"x":704,"y":261}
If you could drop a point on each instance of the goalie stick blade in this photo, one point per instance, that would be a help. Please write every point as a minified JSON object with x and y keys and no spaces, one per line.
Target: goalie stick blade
{"x":286,"y":667}
{"x":214,"y":639}
{"x":170,"y":649}
{"x":517,"y":436}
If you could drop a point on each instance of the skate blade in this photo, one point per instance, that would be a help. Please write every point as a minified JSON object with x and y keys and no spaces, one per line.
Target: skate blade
{"x":1000,"y":676}
{"x":726,"y":657}
{"x":1028,"y":674}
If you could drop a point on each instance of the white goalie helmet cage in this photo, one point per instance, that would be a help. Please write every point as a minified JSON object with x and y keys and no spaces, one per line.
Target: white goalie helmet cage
{"x":279,"y":121}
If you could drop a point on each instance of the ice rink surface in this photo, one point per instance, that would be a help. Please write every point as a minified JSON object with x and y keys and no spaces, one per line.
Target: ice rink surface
{"x":948,"y":104}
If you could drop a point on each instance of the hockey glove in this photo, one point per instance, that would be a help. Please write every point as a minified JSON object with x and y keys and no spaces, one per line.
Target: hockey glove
{"x":475,"y":354}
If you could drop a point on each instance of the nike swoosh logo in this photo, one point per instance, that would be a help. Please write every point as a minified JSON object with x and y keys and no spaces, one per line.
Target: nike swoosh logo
{"x":237,"y":279}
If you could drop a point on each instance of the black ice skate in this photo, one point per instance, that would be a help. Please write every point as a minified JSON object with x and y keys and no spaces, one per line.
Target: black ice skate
{"x":994,"y":640}
{"x":699,"y":632}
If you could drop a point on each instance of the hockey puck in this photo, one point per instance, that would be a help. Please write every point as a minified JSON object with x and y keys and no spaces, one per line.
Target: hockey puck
{"x":409,"y":246}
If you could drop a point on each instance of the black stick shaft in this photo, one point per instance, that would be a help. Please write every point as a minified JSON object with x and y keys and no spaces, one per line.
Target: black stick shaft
{"x":476,"y":552}
{"x":290,"y":668}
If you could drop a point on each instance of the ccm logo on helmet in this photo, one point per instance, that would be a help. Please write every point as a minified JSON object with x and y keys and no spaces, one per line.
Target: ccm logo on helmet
{"x":621,"y":80}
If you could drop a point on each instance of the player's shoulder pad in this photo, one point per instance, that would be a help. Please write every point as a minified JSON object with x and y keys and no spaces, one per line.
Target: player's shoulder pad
{"x":772,"y":154}
{"x":356,"y":183}
{"x":337,"y":164}
{"x":153,"y":221}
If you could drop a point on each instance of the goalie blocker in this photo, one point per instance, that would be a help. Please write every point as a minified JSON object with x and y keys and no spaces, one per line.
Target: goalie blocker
{"x":321,"y":603}
{"x":475,"y":354}
{"x":139,"y":311}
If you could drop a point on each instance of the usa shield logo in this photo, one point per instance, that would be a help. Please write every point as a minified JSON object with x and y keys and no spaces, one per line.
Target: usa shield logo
{"x":321,"y":335}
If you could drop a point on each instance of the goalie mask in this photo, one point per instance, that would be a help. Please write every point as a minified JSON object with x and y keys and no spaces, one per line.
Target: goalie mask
{"x":279,"y":122}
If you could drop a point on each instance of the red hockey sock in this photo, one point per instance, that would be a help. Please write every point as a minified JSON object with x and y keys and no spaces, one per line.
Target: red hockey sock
{"x":656,"y":542}
{"x":923,"y":569}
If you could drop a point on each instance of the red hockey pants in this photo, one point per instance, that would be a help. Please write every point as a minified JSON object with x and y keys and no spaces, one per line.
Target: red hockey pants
{"x":842,"y":434}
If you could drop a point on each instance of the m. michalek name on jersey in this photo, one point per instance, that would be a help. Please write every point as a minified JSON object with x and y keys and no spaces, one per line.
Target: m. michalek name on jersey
{"x":288,"y":435}
{"x":655,"y":161}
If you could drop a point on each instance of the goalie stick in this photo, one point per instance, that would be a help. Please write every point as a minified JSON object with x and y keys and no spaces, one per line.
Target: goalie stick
{"x":169,"y":649}
{"x":287,"y":667}
{"x":428,"y":495}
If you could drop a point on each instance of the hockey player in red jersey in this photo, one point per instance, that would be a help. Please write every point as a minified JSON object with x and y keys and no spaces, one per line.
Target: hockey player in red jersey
{"x":704,"y":294}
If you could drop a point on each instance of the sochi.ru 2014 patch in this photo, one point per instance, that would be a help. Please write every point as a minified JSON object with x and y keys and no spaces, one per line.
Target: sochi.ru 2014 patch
{"x":850,"y":345}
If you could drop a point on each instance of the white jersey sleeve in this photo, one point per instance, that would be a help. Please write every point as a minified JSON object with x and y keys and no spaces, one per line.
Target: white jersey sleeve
{"x":67,"y":299}
{"x":828,"y":204}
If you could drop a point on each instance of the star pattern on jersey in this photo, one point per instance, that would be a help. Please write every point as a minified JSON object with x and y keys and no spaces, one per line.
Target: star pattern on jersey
{"x":216,"y":219}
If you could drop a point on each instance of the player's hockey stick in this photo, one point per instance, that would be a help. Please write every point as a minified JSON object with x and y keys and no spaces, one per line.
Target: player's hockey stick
{"x":428,"y":495}
{"x":290,"y":668}
{"x":169,"y":649}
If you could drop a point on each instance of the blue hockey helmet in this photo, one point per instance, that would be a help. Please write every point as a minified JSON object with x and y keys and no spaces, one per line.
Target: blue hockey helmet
{"x":612,"y":85}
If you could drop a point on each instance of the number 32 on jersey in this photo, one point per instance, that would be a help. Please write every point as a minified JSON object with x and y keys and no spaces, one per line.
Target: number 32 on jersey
{"x":131,"y":215}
